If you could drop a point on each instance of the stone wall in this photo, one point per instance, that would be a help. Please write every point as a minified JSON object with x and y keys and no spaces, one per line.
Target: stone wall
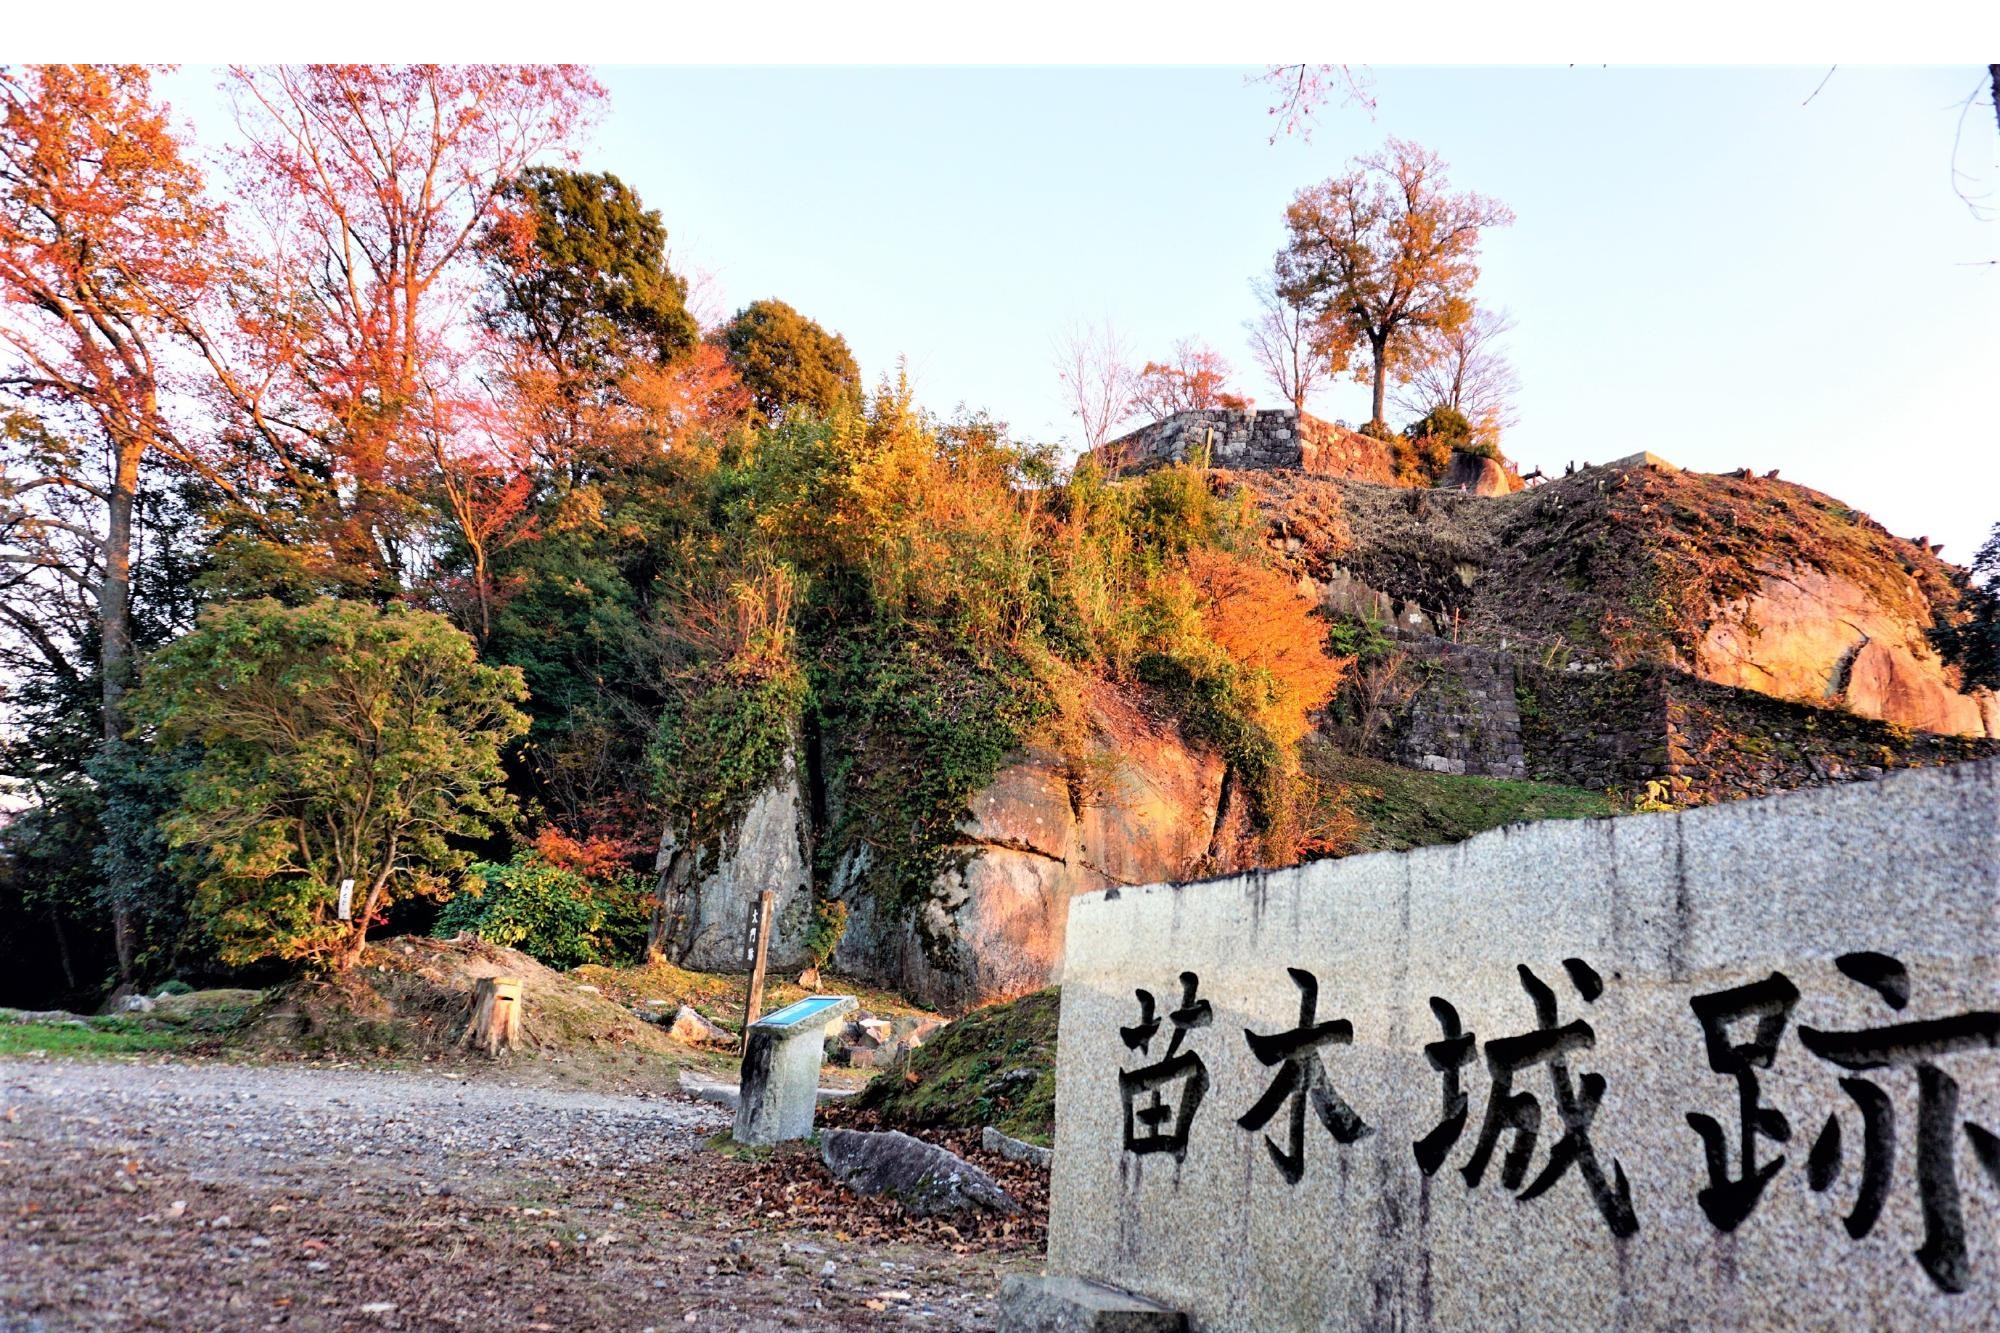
{"x":1704,"y":742}
{"x":1645,"y":1073}
{"x":1487,"y":713}
{"x":1275,"y":438}
{"x":1464,"y":717}
{"x":1593,"y":727}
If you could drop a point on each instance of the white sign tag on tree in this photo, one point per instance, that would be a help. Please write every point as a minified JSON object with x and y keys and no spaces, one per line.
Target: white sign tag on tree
{"x":346,"y":899}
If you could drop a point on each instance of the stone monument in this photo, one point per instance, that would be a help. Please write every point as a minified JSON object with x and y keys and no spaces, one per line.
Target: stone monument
{"x":1735,"y":1067}
{"x":782,"y":1054}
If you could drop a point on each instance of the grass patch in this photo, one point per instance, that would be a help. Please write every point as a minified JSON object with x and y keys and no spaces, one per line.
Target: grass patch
{"x":1399,"y":808}
{"x":98,"y":1036}
{"x":996,"y":1066}
{"x":718,"y":996}
{"x":725,"y":1143}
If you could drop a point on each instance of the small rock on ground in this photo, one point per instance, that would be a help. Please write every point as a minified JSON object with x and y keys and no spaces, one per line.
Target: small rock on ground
{"x":923,"y":1177}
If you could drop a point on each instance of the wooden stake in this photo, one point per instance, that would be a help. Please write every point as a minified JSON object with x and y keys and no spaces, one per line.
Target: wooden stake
{"x":753,"y":1003}
{"x":496,"y":1015}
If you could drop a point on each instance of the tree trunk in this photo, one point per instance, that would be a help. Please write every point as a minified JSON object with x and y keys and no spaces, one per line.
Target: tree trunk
{"x":62,"y":949}
{"x":1379,"y":348}
{"x":351,"y":955}
{"x":1993,"y":72}
{"x":495,"y":1025}
{"x":114,"y":620}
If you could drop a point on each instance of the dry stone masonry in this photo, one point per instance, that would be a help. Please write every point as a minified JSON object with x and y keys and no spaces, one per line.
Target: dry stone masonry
{"x":1735,"y":1067}
{"x":1464,"y":716}
{"x":1246,"y":438}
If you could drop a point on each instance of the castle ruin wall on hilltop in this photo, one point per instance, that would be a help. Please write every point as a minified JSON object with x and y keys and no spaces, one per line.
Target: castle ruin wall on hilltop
{"x":1264,"y":440}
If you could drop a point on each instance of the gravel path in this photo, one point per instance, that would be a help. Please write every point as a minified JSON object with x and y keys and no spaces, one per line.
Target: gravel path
{"x":194,"y":1196}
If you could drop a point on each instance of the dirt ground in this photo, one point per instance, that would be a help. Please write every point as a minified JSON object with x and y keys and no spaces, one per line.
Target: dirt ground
{"x":179,"y":1195}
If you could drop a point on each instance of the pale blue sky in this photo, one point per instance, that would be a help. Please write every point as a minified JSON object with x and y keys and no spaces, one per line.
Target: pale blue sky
{"x":1701,"y":267}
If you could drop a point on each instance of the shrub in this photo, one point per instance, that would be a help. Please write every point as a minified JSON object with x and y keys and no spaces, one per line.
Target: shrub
{"x":829,"y":923}
{"x":1441,"y":423}
{"x":551,"y":914}
{"x":1420,"y":461}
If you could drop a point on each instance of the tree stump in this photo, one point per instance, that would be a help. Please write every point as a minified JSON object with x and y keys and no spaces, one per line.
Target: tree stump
{"x":496,"y":1015}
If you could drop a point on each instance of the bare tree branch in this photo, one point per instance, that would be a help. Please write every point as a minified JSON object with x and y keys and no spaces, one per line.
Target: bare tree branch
{"x":1096,"y":374}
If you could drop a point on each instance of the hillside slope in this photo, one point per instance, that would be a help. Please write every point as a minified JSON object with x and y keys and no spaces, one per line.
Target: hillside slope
{"x":1737,"y":579}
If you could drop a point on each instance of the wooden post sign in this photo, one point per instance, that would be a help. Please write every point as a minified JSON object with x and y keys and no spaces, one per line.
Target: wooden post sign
{"x":759,"y":947}
{"x":496,"y":1015}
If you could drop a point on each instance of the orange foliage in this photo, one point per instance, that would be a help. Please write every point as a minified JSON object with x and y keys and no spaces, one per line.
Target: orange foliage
{"x":372,"y":182}
{"x":1258,"y":617}
{"x":594,"y":856}
{"x":1193,"y":380}
{"x":697,"y":392}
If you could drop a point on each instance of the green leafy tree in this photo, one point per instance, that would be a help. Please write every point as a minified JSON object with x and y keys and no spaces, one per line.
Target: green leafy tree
{"x":787,"y":361}
{"x":1446,"y":425}
{"x":548,"y":912}
{"x":1972,"y":643}
{"x":336,"y":741}
{"x":580,"y":265}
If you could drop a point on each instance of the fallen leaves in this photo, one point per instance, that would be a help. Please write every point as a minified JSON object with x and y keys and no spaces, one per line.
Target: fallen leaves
{"x":791,"y":1190}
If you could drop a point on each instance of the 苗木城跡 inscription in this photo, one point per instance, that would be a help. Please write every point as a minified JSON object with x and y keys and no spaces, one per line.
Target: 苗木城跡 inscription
{"x":1740,"y":1027}
{"x":1735,"y":1066}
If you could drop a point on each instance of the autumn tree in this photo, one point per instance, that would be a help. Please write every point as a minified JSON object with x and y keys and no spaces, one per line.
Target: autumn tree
{"x":1287,"y":344}
{"x":1386,"y":256}
{"x":1262,"y":621}
{"x":1301,"y":89}
{"x":1096,"y":374}
{"x":351,"y":371}
{"x":336,"y":741}
{"x":599,"y":382}
{"x":105,"y":256}
{"x":1193,"y":379}
{"x":1466,"y":370}
{"x":580,"y":284}
{"x":787,"y":361}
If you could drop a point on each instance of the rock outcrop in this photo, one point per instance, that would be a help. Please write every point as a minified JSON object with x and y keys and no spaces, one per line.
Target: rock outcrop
{"x":1139,"y":806}
{"x":1824,"y":639}
{"x":707,"y":891}
{"x":1476,"y":474}
{"x":1740,"y":580}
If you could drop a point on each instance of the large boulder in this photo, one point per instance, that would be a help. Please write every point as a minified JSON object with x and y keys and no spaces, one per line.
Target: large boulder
{"x":711,"y":887}
{"x":1140,"y":806}
{"x":921,"y":1176}
{"x":1477,"y":474}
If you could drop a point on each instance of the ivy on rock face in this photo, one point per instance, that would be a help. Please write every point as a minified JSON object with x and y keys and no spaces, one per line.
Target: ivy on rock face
{"x":913,"y":727}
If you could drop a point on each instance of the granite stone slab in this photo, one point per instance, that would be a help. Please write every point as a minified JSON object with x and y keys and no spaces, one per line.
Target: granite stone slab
{"x":1728,"y":1068}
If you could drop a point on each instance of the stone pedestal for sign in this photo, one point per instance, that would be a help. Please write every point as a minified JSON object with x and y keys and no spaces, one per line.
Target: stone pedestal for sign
{"x":1734,"y":1067}
{"x":782,"y":1054}
{"x":1071,"y":1305}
